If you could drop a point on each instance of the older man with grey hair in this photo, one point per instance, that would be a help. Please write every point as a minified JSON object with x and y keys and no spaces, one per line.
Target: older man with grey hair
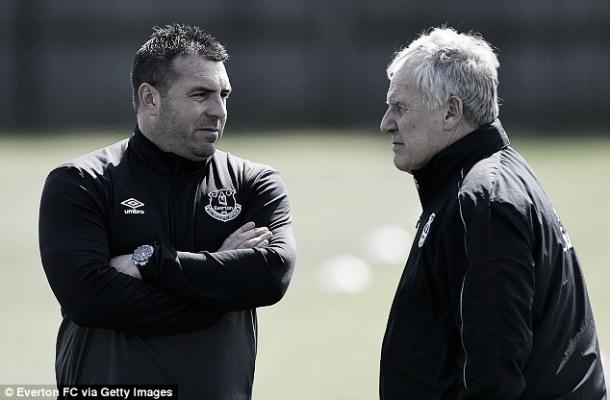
{"x":492,"y":303}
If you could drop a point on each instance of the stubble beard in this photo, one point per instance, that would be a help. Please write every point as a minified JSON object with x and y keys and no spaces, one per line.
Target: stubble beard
{"x":173,"y":136}
{"x":203,"y":153}
{"x":177,"y":137}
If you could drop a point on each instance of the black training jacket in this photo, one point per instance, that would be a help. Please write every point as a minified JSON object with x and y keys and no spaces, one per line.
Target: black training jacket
{"x":192,"y":320}
{"x":492,"y":303}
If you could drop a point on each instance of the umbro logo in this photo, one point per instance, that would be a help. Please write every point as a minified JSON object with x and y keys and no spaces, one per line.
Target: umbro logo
{"x":133,"y":206}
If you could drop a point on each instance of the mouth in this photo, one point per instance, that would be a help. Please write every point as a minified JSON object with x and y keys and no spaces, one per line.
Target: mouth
{"x":209,"y":134}
{"x":209,"y":129}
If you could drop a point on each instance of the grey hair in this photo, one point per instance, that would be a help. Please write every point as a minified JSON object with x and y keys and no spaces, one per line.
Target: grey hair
{"x":448,"y":64}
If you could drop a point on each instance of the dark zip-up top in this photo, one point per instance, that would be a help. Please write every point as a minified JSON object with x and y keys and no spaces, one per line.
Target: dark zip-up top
{"x":492,"y":303}
{"x":192,"y":320}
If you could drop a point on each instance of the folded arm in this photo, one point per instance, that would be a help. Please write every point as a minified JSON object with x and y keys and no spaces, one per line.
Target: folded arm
{"x":75,"y":256}
{"x":239,"y":278}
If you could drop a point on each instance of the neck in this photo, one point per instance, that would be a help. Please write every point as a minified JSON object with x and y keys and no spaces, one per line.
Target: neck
{"x":462,"y":129}
{"x":145,"y":127}
{"x":148,"y":130}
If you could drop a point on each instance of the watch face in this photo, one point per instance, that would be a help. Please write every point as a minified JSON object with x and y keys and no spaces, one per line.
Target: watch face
{"x":142,"y":254}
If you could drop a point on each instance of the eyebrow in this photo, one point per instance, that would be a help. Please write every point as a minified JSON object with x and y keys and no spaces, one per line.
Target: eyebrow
{"x":395,"y":100}
{"x":207,"y":89}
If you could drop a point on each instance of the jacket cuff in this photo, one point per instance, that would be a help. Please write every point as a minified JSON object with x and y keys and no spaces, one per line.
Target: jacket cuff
{"x":152,"y":271}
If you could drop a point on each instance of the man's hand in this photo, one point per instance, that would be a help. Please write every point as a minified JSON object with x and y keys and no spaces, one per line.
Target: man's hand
{"x":247,"y":237}
{"x":125,"y":265}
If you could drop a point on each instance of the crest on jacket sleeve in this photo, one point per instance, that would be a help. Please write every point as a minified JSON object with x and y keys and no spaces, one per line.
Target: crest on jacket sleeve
{"x":425,"y":231}
{"x":222,"y":205}
{"x":567,"y":243}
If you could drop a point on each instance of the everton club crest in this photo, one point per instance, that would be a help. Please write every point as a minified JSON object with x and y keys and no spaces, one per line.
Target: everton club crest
{"x":223,"y":206}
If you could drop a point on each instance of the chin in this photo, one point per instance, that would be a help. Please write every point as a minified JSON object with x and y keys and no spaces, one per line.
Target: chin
{"x":401,"y":165}
{"x":203,"y":153}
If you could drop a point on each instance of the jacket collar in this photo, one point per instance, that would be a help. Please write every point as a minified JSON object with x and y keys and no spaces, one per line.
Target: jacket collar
{"x":461,"y":155}
{"x":159,"y":160}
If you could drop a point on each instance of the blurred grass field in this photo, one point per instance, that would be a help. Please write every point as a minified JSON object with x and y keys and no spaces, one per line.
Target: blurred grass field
{"x":314,"y":344}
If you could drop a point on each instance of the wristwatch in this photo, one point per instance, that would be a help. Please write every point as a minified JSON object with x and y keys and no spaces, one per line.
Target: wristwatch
{"x":142,"y":255}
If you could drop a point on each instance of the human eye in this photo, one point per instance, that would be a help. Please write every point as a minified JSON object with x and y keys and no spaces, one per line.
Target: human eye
{"x":400,"y":107}
{"x":397,"y":107}
{"x":200,"y":95}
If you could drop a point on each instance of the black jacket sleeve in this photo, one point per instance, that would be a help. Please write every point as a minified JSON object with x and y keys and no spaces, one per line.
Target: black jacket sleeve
{"x":75,"y":256}
{"x":496,"y":299}
{"x":237,"y":279}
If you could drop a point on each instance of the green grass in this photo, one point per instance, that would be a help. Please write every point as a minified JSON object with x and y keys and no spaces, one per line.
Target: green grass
{"x":312,"y":345}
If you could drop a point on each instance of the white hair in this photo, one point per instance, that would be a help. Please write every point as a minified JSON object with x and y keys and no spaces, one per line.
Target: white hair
{"x":448,"y":64}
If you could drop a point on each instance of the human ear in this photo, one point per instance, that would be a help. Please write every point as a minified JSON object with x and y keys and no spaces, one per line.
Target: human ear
{"x":454,"y":113}
{"x":150,"y":99}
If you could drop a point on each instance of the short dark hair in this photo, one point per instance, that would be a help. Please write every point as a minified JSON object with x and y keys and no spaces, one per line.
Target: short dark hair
{"x":152,"y":63}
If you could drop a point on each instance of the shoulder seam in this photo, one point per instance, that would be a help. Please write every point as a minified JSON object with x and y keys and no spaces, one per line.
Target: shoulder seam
{"x":459,"y":183}
{"x":494,"y":181}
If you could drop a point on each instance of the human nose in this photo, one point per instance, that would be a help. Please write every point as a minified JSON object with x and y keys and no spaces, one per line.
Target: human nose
{"x":217,"y":108}
{"x":388,"y":125}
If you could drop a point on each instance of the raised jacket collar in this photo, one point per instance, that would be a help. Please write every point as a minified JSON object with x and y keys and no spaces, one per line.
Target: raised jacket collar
{"x":463,"y":154}
{"x":159,"y":160}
